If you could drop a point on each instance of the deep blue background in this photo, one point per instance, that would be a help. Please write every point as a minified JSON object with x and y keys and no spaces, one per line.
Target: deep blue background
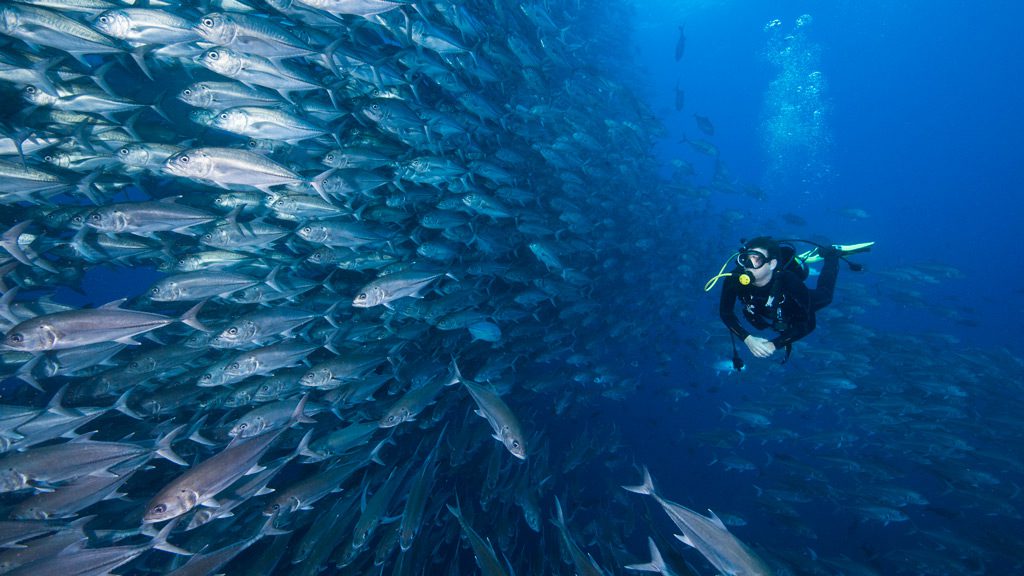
{"x":927,"y":138}
{"x":925,"y":122}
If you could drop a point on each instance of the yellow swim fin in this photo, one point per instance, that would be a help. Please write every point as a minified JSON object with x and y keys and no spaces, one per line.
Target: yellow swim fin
{"x":812,"y":256}
{"x":855,"y":248}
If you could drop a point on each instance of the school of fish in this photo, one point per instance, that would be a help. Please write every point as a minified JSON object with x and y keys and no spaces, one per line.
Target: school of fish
{"x":378,"y":233}
{"x":382,"y":276}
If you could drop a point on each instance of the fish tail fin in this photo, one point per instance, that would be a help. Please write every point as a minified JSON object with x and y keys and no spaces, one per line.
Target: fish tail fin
{"x":646,"y":488}
{"x":559,"y":520}
{"x":318,"y":184}
{"x":190,"y":318}
{"x":268,"y":528}
{"x":305,"y":451}
{"x":271,"y":279}
{"x":195,"y":433}
{"x":657,"y":563}
{"x":299,"y":413}
{"x":139,"y":56}
{"x":457,"y":509}
{"x":24,"y":373}
{"x":56,"y":404}
{"x":7,"y":299}
{"x":163,"y":446}
{"x":9,"y":241}
{"x":456,"y":374}
{"x":158,"y":106}
{"x":375,"y":453}
{"x":303,"y":448}
{"x":160,"y":541}
{"x":122,"y":406}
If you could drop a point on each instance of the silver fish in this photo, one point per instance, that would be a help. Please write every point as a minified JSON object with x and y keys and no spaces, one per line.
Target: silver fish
{"x":503,"y":421}
{"x":45,"y":27}
{"x":227,"y":166}
{"x":251,"y":35}
{"x":259,"y":71}
{"x":144,"y":26}
{"x":191,"y":286}
{"x":270,"y":123}
{"x":364,"y":8}
{"x":708,"y":535}
{"x":81,"y":327}
{"x":146,"y":217}
{"x":388,"y":288}
{"x":202,"y":483}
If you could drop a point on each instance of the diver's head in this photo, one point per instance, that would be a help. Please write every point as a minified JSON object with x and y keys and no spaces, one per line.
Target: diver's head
{"x":758,"y":258}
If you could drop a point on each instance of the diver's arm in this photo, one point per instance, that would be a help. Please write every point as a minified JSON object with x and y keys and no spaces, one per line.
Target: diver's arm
{"x":727,"y":309}
{"x":799,"y":317}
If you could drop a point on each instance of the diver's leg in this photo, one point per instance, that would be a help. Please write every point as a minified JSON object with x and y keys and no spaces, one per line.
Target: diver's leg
{"x":822,"y":294}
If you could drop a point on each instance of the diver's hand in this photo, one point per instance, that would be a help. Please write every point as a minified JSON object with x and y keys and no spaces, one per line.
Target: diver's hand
{"x":759,"y":347}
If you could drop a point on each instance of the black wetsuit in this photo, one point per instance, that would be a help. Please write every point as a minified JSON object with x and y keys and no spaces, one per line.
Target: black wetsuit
{"x":792,"y":307}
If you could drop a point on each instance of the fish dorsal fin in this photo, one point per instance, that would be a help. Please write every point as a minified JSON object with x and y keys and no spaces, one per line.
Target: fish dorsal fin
{"x":82,"y":438}
{"x":717,"y":521}
{"x":116,"y":304}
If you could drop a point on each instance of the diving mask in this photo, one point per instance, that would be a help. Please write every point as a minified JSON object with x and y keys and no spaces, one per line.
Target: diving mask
{"x":751,"y":259}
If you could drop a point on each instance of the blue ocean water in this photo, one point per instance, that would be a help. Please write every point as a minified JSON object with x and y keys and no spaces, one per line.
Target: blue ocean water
{"x":920,"y":122}
{"x":892,"y":122}
{"x":835,"y":122}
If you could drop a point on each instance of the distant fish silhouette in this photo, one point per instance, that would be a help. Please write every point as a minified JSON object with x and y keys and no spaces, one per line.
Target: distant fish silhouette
{"x":680,"y":97}
{"x":681,"y":43}
{"x":704,"y":124}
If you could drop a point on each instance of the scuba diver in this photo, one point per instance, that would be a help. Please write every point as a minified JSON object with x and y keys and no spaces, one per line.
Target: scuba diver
{"x":769,"y":283}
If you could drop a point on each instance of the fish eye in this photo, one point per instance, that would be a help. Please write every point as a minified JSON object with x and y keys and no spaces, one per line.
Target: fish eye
{"x":155,"y":290}
{"x":515,"y":443}
{"x":223,"y":116}
{"x":104,"y":19}
{"x":276,"y":506}
{"x":243,"y":426}
{"x":158,"y":509}
{"x":15,"y":338}
{"x":123,"y":152}
{"x":232,"y":330}
{"x":361,"y":296}
{"x":208,"y":22}
{"x":213,"y":55}
{"x":234,"y":366}
{"x":30,"y":89}
{"x":95,"y":217}
{"x":183,"y":160}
